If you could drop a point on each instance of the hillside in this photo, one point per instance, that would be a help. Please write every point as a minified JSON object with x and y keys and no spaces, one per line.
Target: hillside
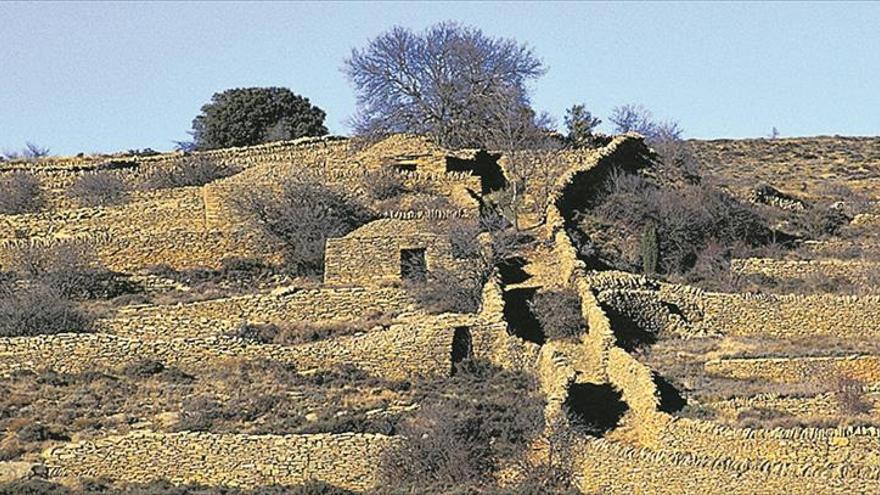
{"x":332,"y":318}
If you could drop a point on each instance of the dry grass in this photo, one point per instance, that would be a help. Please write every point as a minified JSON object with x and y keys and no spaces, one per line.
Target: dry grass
{"x":37,"y":410}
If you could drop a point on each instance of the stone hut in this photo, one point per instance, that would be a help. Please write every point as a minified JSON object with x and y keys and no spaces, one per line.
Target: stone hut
{"x":386,"y":250}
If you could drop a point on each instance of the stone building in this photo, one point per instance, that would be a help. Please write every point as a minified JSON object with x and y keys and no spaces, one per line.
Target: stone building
{"x":386,"y":250}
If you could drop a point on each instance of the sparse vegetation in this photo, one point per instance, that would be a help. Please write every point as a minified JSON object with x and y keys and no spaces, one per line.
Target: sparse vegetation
{"x":467,"y":426}
{"x":193,"y":170}
{"x":39,"y":311}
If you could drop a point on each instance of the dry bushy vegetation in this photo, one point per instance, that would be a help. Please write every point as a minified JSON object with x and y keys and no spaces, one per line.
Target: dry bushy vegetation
{"x":193,"y":170}
{"x":45,"y":289}
{"x":39,"y":311}
{"x":101,"y":188}
{"x":71,"y":270}
{"x":303,"y":216}
{"x":468,"y":426}
{"x":559,"y":313}
{"x":21,"y":193}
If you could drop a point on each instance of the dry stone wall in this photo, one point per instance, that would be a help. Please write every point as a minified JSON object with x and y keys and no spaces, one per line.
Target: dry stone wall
{"x":854,"y":447}
{"x":850,"y":270}
{"x":345,"y":460}
{"x":291,"y":304}
{"x":796,"y":369}
{"x":400,"y":352}
{"x":611,"y":468}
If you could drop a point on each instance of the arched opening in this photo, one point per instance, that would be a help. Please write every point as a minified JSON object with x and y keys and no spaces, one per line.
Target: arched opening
{"x":462,"y":347}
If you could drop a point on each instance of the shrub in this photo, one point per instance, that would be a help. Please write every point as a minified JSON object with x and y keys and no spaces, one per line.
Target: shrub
{"x":304,"y":216}
{"x":469,"y":424}
{"x":70,"y":269}
{"x":850,"y":396}
{"x":559,"y":313}
{"x":450,"y":291}
{"x":39,"y":311}
{"x":193,"y":170}
{"x":384,"y":184}
{"x":688,"y":218}
{"x":98,"y":189}
{"x":21,"y":193}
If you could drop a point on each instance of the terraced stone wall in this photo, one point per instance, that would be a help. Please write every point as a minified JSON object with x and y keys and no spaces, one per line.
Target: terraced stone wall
{"x":798,"y":369}
{"x":398,"y":353}
{"x":346,"y":460}
{"x":850,"y":270}
{"x":615,"y":469}
{"x":857,"y":446}
{"x":292,"y":304}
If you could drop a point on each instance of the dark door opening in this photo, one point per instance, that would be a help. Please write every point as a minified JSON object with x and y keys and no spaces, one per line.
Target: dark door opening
{"x":462,"y":347}
{"x":519,"y":316}
{"x":413,"y":266}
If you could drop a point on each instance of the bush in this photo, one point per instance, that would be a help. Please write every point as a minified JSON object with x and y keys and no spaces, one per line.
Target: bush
{"x":384,"y":184}
{"x":72,"y":270}
{"x":249,"y":116}
{"x":850,"y":396}
{"x":21,"y":193}
{"x":559,"y":313}
{"x":39,"y":311}
{"x":468,"y":426}
{"x":687,"y":218}
{"x":190,"y":171}
{"x":304,"y":216}
{"x":450,"y":291}
{"x":98,"y":189}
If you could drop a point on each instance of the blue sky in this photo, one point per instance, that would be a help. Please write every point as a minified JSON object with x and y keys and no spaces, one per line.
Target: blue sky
{"x":88,"y":77}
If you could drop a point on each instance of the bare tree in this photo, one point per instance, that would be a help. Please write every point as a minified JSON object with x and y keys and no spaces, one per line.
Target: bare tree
{"x":303,"y":216}
{"x":633,"y":118}
{"x":30,"y":151}
{"x":439,"y":82}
